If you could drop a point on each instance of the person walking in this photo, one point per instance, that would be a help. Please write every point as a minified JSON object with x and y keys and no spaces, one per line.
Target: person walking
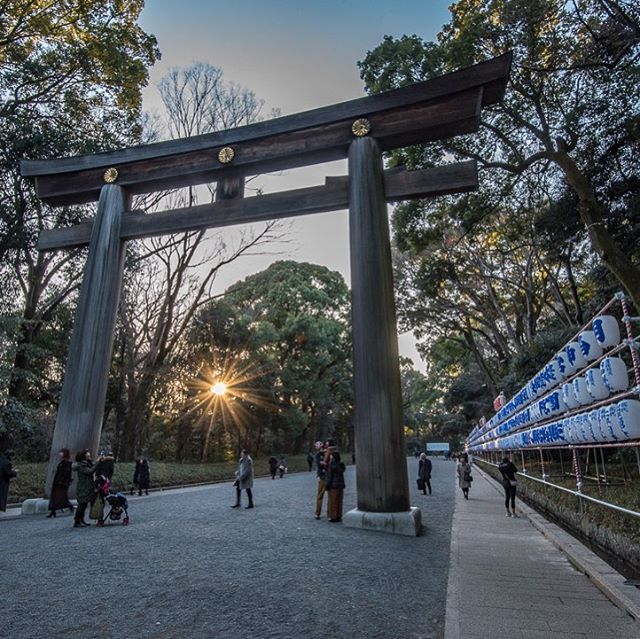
{"x":320,"y":473}
{"x":273,"y":466}
{"x":424,"y":473}
{"x":282,"y":466}
{"x":464,"y":475}
{"x":508,"y":471}
{"x":59,"y":499}
{"x":7,"y":473}
{"x":310,"y":460}
{"x":85,"y":491}
{"x":141,"y":476}
{"x":334,"y":484}
{"x":244,"y":478}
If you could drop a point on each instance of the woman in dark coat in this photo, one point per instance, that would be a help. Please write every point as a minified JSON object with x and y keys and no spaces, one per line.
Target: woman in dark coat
{"x":508,"y":471}
{"x":334,"y":485}
{"x":273,"y":466}
{"x":7,"y":473}
{"x":86,"y":488}
{"x":61,"y":482}
{"x":142,"y":476}
{"x":464,"y":475}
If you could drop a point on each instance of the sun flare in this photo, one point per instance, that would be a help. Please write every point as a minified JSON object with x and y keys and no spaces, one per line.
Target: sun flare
{"x":219,"y":389}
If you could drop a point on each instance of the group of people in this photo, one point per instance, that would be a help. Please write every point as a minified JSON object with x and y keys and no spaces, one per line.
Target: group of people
{"x":509,"y":482}
{"x":330,"y":472}
{"x":278,"y":466}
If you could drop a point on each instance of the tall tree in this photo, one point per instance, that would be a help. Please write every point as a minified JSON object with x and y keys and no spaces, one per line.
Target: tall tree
{"x":571,"y":107}
{"x":284,"y":332}
{"x":71,"y":75}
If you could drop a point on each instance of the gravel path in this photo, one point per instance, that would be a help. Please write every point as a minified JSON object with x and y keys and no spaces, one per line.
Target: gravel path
{"x":189,"y":566}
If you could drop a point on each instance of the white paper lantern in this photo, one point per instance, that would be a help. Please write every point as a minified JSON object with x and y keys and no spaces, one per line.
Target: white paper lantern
{"x":607,"y":330}
{"x":569,"y":365}
{"x":568,"y":396}
{"x":594,"y":426}
{"x":595,"y":384}
{"x":628,"y":411}
{"x":575,"y":357}
{"x":564,"y":367}
{"x":570,"y":430}
{"x":614,"y":374}
{"x":580,"y":391}
{"x":552,"y":373}
{"x":609,"y":424}
{"x":589,"y":345}
{"x":584,"y":425}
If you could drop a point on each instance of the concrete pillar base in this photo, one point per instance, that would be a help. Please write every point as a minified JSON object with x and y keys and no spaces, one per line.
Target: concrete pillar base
{"x":40,"y":507}
{"x":35,"y":506}
{"x":407,"y":522}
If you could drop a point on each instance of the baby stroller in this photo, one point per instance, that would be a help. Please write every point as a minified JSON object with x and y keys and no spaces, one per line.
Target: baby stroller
{"x":117,"y":506}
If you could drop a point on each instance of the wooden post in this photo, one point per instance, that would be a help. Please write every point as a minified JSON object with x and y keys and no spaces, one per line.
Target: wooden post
{"x":381,"y":468}
{"x":79,"y":420}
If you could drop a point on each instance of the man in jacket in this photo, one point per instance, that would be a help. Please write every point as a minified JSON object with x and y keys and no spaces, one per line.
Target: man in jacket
{"x":424,"y":473}
{"x":244,"y":478}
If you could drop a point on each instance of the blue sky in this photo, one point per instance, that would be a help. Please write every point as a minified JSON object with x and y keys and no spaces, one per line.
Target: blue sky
{"x":294,"y":55}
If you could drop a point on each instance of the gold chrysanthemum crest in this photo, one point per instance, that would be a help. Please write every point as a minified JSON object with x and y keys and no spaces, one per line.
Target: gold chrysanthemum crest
{"x":110,"y":175}
{"x":226,"y":154}
{"x":361,"y":127}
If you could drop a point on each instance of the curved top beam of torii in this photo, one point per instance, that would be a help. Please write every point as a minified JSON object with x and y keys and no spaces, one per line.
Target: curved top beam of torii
{"x":425,"y":111}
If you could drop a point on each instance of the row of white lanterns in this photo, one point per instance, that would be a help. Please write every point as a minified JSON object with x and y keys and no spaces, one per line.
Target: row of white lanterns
{"x":617,"y":422}
{"x":551,"y":393}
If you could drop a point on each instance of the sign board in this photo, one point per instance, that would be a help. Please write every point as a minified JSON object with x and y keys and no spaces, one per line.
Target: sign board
{"x":437,"y":447}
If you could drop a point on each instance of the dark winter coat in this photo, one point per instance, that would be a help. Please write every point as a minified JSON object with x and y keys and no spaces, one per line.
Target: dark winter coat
{"x":508,"y":472}
{"x":85,"y":491}
{"x":142,"y":475}
{"x":59,"y":489}
{"x":106,"y":467}
{"x":334,"y":477}
{"x":6,"y":475}
{"x":320,"y":465}
{"x":424,"y":469}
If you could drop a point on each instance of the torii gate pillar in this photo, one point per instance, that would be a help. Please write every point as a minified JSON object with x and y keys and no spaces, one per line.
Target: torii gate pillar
{"x":381,"y":466}
{"x":81,"y":409}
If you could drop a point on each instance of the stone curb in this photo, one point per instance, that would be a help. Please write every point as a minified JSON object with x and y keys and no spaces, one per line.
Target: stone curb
{"x":609,"y":581}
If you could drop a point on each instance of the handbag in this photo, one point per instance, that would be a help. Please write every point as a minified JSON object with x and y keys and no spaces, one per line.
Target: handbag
{"x":420,"y":483}
{"x":513,"y":482}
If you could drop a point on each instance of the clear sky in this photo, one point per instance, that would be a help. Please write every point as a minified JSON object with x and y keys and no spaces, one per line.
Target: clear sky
{"x":295,"y":55}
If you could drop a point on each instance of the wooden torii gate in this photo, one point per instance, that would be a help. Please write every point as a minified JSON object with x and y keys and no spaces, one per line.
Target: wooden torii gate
{"x":360,"y":130}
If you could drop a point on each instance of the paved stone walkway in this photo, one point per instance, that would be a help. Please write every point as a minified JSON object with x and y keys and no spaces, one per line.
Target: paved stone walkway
{"x":508,"y":580}
{"x":190,"y":567}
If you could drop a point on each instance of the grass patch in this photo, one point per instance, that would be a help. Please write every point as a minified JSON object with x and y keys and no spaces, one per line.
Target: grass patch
{"x":30,"y":481}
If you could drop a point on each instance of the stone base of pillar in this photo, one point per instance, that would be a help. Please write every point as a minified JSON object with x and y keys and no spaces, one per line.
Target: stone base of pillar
{"x":407,"y":522}
{"x":40,"y":507}
{"x":35,"y":506}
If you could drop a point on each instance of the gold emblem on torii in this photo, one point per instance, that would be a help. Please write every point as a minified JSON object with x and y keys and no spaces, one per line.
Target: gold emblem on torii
{"x":226,"y":154}
{"x":361,"y":127}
